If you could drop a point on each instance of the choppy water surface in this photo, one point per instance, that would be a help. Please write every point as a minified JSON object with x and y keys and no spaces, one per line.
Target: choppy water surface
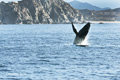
{"x":46,"y":52}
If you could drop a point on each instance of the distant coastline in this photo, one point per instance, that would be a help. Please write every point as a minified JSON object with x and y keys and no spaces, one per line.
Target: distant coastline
{"x":104,"y":21}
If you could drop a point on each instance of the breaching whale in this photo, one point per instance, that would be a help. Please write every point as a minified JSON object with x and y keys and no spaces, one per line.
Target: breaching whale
{"x":81,"y":35}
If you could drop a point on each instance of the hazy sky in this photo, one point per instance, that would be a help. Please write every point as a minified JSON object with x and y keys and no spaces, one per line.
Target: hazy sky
{"x":99,"y":3}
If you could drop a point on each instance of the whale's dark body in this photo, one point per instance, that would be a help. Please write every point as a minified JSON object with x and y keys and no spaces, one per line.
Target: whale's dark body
{"x":81,"y":35}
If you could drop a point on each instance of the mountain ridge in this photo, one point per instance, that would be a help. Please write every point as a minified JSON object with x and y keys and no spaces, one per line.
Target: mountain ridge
{"x":51,"y":12}
{"x":80,"y":5}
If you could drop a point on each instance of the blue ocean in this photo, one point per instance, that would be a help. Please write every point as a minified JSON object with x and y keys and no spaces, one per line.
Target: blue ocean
{"x":47,"y":52}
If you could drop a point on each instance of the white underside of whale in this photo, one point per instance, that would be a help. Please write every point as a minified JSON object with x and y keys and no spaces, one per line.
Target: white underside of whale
{"x":80,"y":41}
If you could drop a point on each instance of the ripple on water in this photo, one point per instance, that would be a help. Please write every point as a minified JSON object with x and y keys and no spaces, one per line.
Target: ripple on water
{"x":15,"y":79}
{"x":34,"y":53}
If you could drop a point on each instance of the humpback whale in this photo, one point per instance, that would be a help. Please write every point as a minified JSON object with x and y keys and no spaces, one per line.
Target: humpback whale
{"x":81,"y":35}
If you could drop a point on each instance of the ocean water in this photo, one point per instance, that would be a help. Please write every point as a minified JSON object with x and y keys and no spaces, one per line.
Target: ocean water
{"x":46,"y":52}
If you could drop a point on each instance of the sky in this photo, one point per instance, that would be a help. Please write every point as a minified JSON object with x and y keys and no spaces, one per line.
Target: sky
{"x":99,"y":3}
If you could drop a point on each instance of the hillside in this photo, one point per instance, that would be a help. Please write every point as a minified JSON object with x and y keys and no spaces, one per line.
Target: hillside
{"x":51,"y":12}
{"x":38,"y":11}
{"x":104,"y":15}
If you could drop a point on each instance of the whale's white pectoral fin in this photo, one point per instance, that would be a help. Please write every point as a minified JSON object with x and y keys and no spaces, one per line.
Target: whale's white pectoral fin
{"x":81,"y":35}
